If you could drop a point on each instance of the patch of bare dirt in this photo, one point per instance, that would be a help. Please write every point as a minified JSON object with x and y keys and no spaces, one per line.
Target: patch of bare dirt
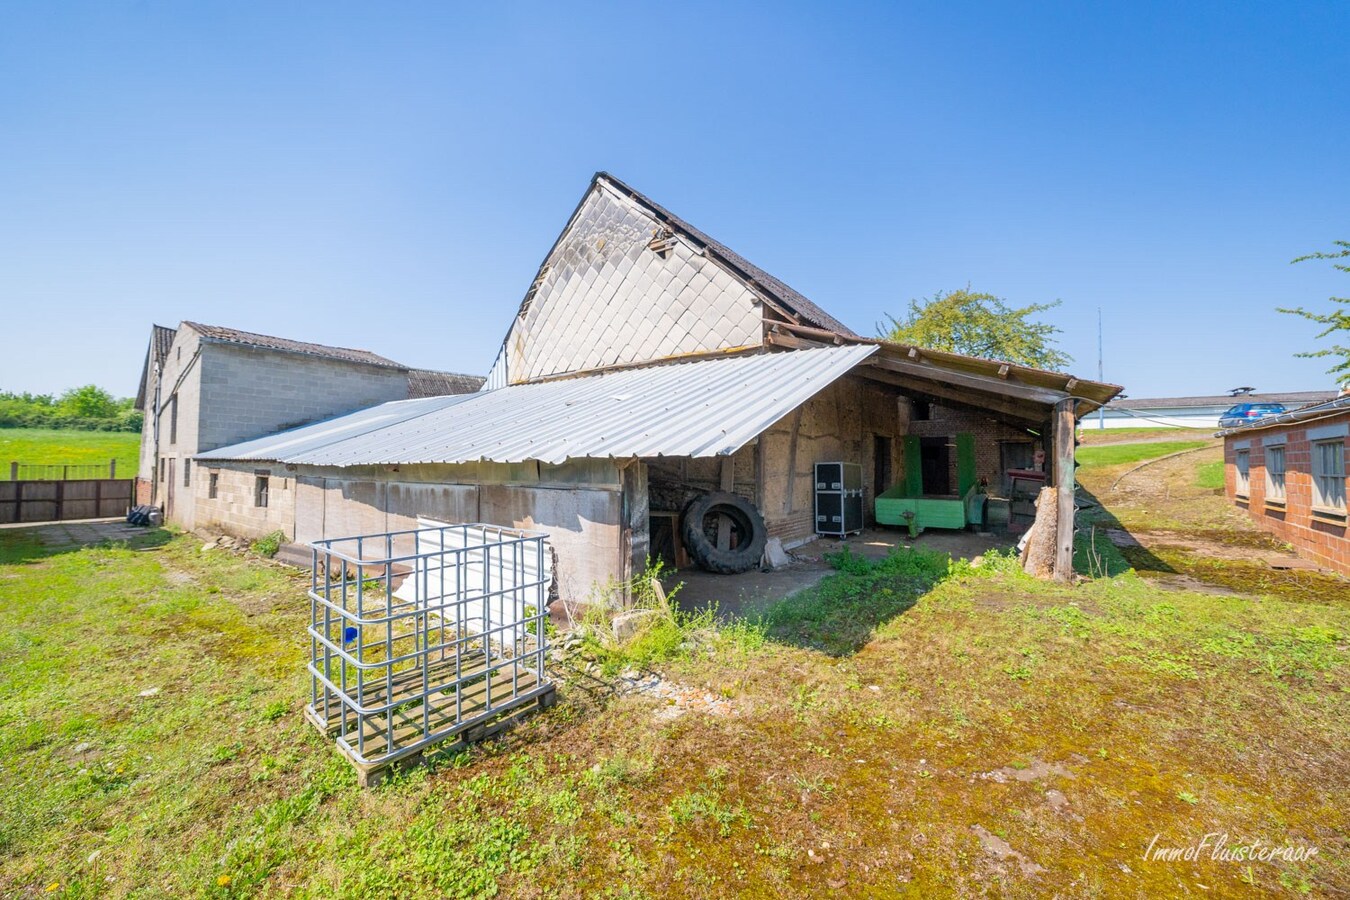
{"x":1003,"y":853}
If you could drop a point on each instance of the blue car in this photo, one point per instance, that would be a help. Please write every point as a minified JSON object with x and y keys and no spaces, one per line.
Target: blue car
{"x":1246,"y":413}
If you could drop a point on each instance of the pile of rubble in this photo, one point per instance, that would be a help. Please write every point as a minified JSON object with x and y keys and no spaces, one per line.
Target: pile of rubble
{"x":574,"y":652}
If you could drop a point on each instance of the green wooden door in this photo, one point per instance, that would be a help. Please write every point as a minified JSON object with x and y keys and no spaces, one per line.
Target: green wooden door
{"x":965,"y":463}
{"x":913,"y":466}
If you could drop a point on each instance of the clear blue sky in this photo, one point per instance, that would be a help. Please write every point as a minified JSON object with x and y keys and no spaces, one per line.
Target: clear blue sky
{"x":389,"y":176}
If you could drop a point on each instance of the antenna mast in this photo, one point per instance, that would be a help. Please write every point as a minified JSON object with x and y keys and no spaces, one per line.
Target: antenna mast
{"x":1101,"y":410}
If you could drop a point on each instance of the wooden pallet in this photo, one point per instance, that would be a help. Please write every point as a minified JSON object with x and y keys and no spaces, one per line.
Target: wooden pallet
{"x":468,"y":713}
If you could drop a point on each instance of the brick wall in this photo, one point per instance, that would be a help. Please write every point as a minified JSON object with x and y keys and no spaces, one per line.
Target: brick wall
{"x":1320,"y":537}
{"x":989,"y":434}
{"x":842,"y":422}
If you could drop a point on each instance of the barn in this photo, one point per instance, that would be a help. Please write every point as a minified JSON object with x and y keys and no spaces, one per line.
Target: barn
{"x":649,"y":366}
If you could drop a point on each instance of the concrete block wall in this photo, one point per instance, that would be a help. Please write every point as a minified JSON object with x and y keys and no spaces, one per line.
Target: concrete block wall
{"x":247,"y":392}
{"x":579,"y":505}
{"x":181,"y":376}
{"x":235,"y":511}
{"x":1322,"y":538}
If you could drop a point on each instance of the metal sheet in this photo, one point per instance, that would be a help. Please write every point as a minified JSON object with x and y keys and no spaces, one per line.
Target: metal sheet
{"x":298,"y":441}
{"x":700,"y":408}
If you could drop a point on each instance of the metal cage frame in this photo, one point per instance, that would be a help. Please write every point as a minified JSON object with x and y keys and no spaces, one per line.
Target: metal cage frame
{"x":438,"y":634}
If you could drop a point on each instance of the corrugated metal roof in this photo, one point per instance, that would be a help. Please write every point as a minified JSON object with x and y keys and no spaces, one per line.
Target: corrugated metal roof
{"x":298,"y":442}
{"x":707,"y":407}
{"x":1301,"y":398}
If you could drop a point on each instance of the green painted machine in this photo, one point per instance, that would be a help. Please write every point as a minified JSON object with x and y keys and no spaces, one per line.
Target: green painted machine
{"x":907,"y":506}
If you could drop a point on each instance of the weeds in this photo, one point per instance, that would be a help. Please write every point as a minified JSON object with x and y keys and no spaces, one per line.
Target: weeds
{"x":268,"y":545}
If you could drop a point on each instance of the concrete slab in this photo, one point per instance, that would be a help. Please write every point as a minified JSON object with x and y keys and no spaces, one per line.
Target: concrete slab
{"x":61,"y":536}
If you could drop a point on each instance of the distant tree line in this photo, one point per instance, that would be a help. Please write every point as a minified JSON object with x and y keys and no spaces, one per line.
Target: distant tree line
{"x":87,"y":408}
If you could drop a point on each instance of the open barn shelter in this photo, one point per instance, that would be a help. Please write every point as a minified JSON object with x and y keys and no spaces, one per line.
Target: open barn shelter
{"x":649,"y":366}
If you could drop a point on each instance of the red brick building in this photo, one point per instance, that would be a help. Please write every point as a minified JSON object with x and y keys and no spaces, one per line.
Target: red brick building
{"x":1289,"y":473}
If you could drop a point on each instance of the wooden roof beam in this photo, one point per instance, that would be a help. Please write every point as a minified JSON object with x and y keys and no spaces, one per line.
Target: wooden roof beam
{"x":1001,"y":408}
{"x":981,"y":383}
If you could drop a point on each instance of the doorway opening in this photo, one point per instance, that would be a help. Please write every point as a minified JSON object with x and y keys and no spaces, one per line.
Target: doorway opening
{"x":935,"y":463}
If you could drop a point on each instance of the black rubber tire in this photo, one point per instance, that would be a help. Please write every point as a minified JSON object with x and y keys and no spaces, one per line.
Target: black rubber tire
{"x":748,"y":526}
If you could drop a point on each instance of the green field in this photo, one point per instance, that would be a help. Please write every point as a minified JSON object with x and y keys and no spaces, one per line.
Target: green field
{"x":38,"y":445}
{"x":1120,"y":454}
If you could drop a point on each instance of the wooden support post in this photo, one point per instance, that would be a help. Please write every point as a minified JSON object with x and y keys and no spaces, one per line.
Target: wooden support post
{"x":1063,"y":432}
{"x":727,"y":485}
{"x":14,"y":473}
{"x":792,"y":460}
{"x":112,"y":469}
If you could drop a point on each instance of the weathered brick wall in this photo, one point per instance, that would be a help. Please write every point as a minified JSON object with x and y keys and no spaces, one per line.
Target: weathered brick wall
{"x":1315,"y":536}
{"x":839,"y":423}
{"x":247,"y":393}
{"x":989,"y":433}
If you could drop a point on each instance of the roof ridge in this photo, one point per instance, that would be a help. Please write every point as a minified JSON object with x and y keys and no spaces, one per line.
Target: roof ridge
{"x":789,"y":297}
{"x":276,"y":342}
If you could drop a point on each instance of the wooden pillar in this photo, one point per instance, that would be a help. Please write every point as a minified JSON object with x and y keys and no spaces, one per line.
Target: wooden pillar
{"x":112,"y":468}
{"x":727,"y":485}
{"x":14,"y":473}
{"x":1063,"y":433}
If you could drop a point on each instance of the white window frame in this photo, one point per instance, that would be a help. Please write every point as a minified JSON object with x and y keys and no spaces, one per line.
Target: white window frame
{"x":1276,"y":482}
{"x":1242,"y":466}
{"x":1328,"y":482}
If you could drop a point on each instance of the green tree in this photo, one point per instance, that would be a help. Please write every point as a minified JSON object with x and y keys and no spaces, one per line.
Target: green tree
{"x":979,"y":325}
{"x":1337,"y":320}
{"x":88,"y":402}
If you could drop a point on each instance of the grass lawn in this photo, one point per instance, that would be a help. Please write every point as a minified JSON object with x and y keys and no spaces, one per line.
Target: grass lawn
{"x":909,"y":727}
{"x":40,"y":445}
{"x":1209,"y":475}
{"x":1117,"y":454}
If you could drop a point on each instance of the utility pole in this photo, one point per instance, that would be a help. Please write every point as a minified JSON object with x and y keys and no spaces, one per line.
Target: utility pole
{"x":1101,"y":376}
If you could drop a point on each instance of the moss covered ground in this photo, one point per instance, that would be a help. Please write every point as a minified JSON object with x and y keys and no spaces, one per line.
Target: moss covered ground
{"x":909,"y":727}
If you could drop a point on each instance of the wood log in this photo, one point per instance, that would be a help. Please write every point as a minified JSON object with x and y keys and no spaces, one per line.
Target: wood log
{"x":1038,"y":556}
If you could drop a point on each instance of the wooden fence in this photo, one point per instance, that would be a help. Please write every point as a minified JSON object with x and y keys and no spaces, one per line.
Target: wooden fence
{"x":55,"y":500}
{"x":20,"y":471}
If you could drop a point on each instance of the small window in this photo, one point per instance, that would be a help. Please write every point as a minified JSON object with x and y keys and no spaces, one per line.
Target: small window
{"x":922,"y":411}
{"x":161,"y":470}
{"x":1328,"y":471}
{"x":1242,"y":463}
{"x":173,"y":419}
{"x":1275,"y":474}
{"x":187,"y":473}
{"x":260,"y":491}
{"x":212,"y":486}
